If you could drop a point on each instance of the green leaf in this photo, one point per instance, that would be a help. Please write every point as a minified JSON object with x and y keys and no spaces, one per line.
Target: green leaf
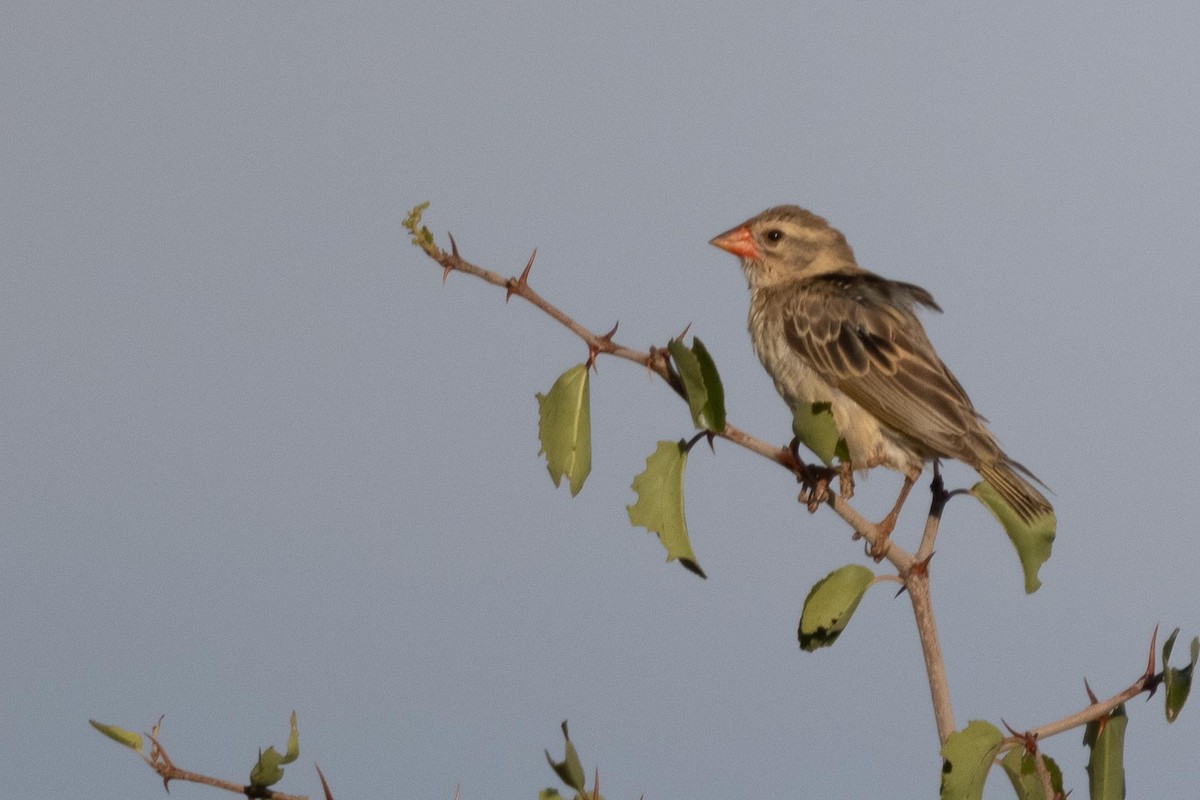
{"x":268,"y":769}
{"x":1177,"y":680}
{"x":1106,"y":767}
{"x":1033,"y":540}
{"x":119,"y":735}
{"x":1022,"y":771}
{"x":421,"y":236}
{"x":659,"y":507}
{"x":830,"y":604}
{"x":565,"y":428}
{"x":293,"y":743}
{"x":569,"y":770}
{"x":549,"y":793}
{"x":814,"y":427}
{"x":701,"y":384}
{"x":968,"y":755}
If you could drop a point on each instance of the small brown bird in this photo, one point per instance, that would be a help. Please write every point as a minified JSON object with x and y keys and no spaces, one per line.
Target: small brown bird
{"x":829,"y":331}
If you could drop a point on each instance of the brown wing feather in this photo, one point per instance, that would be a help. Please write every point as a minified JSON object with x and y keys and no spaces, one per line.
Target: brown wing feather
{"x":860,"y":334}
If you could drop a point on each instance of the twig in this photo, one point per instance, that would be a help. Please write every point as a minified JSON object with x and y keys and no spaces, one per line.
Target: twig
{"x":161,"y":763}
{"x":1148,"y":681}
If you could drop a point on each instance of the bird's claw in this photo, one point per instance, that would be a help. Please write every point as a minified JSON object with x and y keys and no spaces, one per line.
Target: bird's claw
{"x":814,"y":485}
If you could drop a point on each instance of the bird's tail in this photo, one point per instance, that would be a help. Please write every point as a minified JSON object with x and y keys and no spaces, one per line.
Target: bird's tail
{"x":1019,"y":493}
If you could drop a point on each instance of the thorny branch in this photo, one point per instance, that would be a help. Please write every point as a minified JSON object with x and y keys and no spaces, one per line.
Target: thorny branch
{"x":912,"y":569}
{"x":160,"y":762}
{"x":913,"y":573}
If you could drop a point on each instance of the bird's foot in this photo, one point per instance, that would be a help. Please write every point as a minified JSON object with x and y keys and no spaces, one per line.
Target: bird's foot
{"x":879,"y":548}
{"x":814,"y":485}
{"x":883,"y":536}
{"x":845,"y":472}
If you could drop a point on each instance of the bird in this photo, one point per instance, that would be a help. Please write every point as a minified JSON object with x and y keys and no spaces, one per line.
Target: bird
{"x":829,"y":331}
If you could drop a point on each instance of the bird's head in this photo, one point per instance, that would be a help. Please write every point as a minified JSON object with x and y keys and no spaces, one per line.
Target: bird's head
{"x":785,"y":243}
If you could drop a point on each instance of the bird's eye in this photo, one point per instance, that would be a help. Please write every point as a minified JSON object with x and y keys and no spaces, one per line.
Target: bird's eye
{"x":774,"y":235}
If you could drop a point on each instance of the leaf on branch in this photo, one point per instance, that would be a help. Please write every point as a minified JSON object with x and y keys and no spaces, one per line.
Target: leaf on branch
{"x":1106,"y":764}
{"x":830,"y":604}
{"x":1033,"y":540}
{"x":119,"y":735}
{"x":569,"y":770}
{"x":565,"y":428}
{"x":1021,"y":768}
{"x":422,"y":238}
{"x":268,"y":770}
{"x":814,"y":427}
{"x":701,"y":384}
{"x":659,"y":507}
{"x":968,"y":756}
{"x":1177,"y":680}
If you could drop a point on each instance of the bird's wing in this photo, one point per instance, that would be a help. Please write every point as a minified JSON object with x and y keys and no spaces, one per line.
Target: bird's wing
{"x":860,"y":334}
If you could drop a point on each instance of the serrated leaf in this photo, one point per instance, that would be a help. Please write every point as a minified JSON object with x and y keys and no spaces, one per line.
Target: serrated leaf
{"x":967,"y":757}
{"x":659,"y":507}
{"x":1032,"y":540}
{"x":701,"y":384}
{"x":830,"y":604}
{"x":814,"y":427}
{"x":268,"y":769}
{"x":1106,"y":764}
{"x":119,"y":735}
{"x":1177,"y":681}
{"x":569,"y":770}
{"x":565,"y":428}
{"x":1021,"y":769}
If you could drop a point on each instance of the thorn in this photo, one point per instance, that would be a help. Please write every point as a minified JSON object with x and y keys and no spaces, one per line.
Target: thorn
{"x":711,"y":437}
{"x":690,"y":443}
{"x":522,"y":281}
{"x":1090,"y":693}
{"x":685,"y":330}
{"x":600,"y":346}
{"x":596,"y":785}
{"x":325,"y":784}
{"x":1028,"y":740}
{"x":1149,"y":673}
{"x":447,"y":269}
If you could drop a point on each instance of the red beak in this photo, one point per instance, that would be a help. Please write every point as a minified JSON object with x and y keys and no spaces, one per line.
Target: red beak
{"x":737,"y":241}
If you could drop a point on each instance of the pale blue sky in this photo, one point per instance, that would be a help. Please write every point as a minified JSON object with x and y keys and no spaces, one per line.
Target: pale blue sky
{"x":257,"y":458}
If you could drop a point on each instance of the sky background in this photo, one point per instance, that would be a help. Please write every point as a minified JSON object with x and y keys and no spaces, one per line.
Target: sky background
{"x":257,"y":458}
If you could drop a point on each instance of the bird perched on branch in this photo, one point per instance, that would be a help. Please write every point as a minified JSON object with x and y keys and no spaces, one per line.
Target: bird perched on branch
{"x":829,"y":331}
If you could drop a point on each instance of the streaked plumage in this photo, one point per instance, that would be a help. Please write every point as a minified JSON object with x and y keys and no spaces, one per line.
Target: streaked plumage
{"x":828,"y":331}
